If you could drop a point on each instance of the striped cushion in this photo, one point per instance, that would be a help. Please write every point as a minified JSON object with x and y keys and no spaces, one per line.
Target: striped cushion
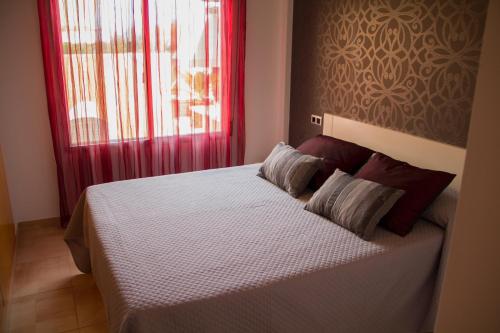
{"x":355,"y":204}
{"x":289,"y":169}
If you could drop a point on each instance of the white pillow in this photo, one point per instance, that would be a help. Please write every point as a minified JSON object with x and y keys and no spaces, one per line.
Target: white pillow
{"x":442,"y":210}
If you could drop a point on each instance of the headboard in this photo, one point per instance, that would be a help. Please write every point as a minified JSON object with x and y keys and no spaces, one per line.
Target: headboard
{"x":415,"y":150}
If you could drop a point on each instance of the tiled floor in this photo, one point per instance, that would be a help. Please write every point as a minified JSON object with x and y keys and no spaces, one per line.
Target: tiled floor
{"x":49,"y":294}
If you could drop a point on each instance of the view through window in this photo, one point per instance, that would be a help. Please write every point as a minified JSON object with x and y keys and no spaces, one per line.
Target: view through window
{"x":113,"y":60}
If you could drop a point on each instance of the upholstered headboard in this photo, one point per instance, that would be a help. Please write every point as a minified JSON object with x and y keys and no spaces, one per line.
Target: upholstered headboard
{"x":415,"y":150}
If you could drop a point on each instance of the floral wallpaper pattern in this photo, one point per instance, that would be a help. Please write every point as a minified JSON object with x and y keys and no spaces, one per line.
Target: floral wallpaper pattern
{"x":409,"y":65}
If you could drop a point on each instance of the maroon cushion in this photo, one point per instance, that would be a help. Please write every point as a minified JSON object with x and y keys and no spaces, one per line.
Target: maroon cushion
{"x":344,"y":155}
{"x":422,"y":186}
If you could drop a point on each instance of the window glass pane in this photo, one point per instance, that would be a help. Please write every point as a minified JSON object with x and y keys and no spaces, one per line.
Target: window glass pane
{"x":104,"y":65}
{"x":104,"y":69}
{"x":185,"y":62}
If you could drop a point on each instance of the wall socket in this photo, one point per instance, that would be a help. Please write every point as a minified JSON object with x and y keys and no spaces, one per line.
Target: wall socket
{"x":316,"y":120}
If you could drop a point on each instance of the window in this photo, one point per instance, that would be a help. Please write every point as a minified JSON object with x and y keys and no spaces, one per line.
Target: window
{"x":115,"y":64}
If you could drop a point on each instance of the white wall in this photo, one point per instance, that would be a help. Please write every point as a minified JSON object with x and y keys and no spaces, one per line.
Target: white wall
{"x":24,"y":124}
{"x":267,"y":70}
{"x":470,"y":298}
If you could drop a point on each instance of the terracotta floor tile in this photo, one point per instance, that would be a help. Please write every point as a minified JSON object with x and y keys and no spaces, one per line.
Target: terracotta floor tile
{"x":49,"y":293}
{"x":52,"y":311}
{"x":24,"y":329}
{"x":24,"y":281}
{"x":55,"y":311}
{"x":98,"y":328}
{"x":42,"y":275}
{"x":28,"y":232}
{"x":22,"y":314}
{"x":83,"y":280}
{"x":40,"y":248}
{"x":89,"y":306}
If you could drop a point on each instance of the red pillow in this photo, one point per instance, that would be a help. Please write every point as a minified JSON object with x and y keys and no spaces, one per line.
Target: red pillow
{"x":422,"y":186}
{"x":337,"y":154}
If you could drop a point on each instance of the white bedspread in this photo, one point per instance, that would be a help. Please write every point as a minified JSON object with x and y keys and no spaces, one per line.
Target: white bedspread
{"x":226,"y":251}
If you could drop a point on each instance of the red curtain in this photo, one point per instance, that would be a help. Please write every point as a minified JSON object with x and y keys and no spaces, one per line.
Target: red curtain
{"x":139,"y":88}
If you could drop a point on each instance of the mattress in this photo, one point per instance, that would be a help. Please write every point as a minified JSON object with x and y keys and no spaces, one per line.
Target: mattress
{"x":226,"y":251}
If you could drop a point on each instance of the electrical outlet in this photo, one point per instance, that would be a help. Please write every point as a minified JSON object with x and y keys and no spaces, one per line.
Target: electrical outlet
{"x":316,"y":120}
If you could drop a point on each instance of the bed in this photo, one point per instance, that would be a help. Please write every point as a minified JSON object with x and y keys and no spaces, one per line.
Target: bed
{"x":226,"y":251}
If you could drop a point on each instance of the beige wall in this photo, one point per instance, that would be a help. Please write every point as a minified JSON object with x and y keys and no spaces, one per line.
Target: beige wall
{"x":24,"y":125}
{"x":470,"y":300}
{"x":267,"y":75}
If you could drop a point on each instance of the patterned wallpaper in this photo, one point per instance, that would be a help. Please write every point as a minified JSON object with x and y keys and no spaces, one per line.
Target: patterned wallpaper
{"x":409,"y":65}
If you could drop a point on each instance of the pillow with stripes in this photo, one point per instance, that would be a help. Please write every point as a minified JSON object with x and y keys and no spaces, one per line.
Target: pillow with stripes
{"x":289,"y":169}
{"x":353,"y":203}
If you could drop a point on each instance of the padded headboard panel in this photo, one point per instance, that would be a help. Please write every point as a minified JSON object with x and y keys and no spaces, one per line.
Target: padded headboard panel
{"x":415,"y":150}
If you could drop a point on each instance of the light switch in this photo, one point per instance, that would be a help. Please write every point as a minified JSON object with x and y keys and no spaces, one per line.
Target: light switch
{"x":316,"y":120}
